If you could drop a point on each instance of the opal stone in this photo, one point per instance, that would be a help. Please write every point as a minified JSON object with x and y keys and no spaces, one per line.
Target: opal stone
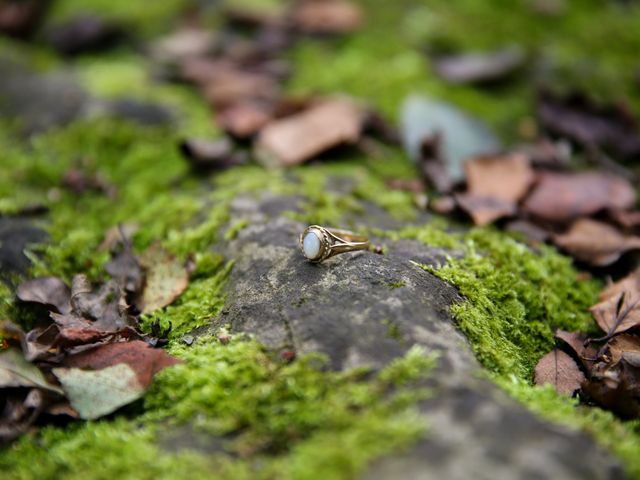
{"x":311,"y":245}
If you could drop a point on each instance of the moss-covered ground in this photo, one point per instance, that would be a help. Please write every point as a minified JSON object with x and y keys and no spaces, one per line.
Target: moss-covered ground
{"x":271,"y":416}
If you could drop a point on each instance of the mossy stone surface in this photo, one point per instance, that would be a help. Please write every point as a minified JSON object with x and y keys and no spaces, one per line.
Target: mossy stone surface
{"x":510,"y":298}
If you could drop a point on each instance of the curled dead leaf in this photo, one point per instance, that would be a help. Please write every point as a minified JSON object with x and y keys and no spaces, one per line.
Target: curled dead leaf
{"x":50,"y":292}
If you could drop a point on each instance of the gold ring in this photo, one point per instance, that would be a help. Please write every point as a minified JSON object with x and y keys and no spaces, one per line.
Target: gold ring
{"x":319,"y":243}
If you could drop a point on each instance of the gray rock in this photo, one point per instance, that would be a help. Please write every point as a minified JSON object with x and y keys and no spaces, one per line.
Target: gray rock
{"x":367,"y":309}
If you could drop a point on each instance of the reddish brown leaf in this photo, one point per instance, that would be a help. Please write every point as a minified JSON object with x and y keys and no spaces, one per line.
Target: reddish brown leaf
{"x":301,"y":137}
{"x":144,"y":360}
{"x":485,"y":210}
{"x":327,"y":16}
{"x":595,"y":242}
{"x":560,"y":370}
{"x":479,"y":67}
{"x":629,"y":284}
{"x":51,"y":292}
{"x":560,"y":197}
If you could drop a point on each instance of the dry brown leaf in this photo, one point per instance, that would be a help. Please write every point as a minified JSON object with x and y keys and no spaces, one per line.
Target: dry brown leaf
{"x":560,"y":197}
{"x":167,"y":278}
{"x":596,"y":243}
{"x":485,"y":210}
{"x":618,"y":313}
{"x":561,"y":371}
{"x":298,"y":138}
{"x":504,"y":177}
{"x":629,"y":284}
{"x":582,"y":350}
{"x":327,"y":16}
{"x":50,"y":292}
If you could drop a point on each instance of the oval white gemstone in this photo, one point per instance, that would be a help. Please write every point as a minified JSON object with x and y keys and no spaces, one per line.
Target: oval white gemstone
{"x":311,"y":246}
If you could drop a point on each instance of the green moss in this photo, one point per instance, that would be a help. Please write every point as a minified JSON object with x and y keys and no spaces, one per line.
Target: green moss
{"x":514,"y":298}
{"x":236,"y":228}
{"x":275,"y":420}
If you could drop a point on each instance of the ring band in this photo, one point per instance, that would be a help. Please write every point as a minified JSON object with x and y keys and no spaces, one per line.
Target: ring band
{"x":319,"y":243}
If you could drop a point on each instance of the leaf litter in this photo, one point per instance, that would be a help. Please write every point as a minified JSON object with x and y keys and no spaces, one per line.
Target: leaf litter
{"x":87,"y":357}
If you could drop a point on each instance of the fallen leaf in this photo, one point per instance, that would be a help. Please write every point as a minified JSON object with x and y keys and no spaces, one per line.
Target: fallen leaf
{"x":561,"y":371}
{"x":485,"y":210}
{"x":626,"y":219}
{"x":94,"y":394}
{"x":615,"y":379}
{"x":117,"y":234}
{"x":103,"y":310}
{"x":16,"y":372}
{"x":504,"y":177}
{"x":577,"y":118}
{"x":205,"y":154}
{"x":50,"y":292}
{"x":596,"y":243}
{"x":327,"y":16}
{"x":560,"y":197}
{"x":618,"y":313}
{"x":300,"y":137}
{"x":167,"y":278}
{"x":583,"y":351}
{"x":125,"y":269}
{"x":100,"y":380}
{"x":479,"y":68}
{"x":629,"y":284}
{"x":143,"y":360}
{"x":452,"y":134}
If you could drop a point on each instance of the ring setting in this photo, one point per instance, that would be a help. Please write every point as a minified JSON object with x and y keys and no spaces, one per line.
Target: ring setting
{"x":319,"y":243}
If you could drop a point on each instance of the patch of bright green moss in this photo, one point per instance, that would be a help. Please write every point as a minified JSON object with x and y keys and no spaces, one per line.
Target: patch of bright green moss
{"x":275,"y":420}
